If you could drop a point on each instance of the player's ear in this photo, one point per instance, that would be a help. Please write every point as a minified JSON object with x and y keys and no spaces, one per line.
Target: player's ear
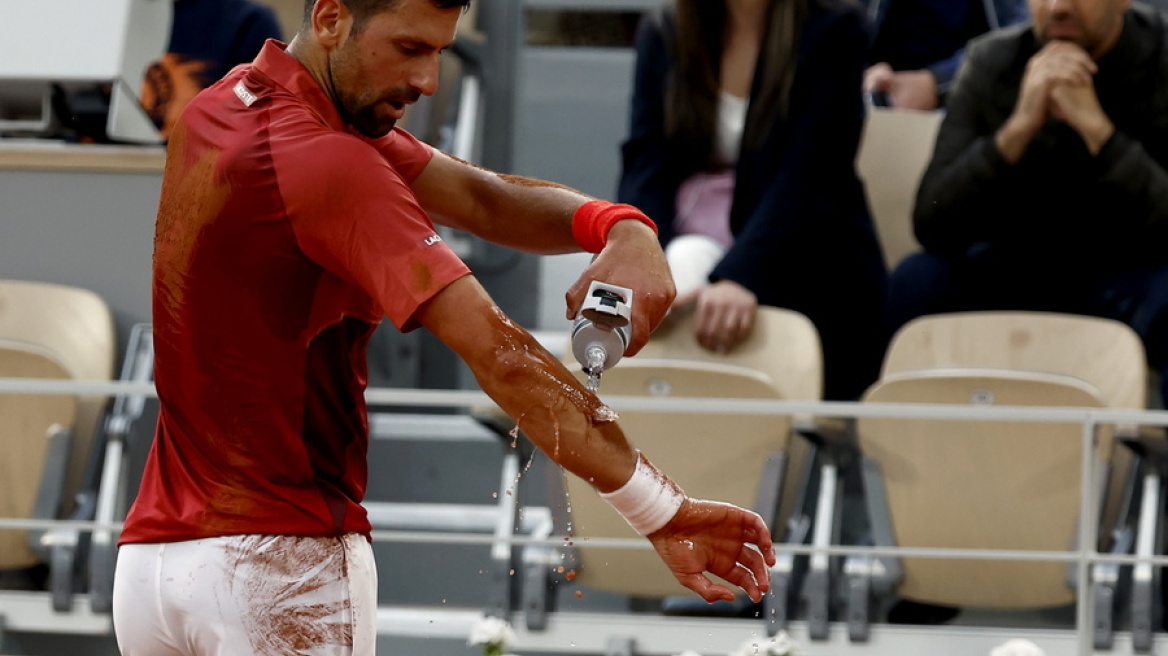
{"x":331,"y":22}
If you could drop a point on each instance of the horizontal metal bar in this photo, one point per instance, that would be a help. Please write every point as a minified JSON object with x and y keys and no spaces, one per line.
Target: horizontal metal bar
{"x":33,"y":611}
{"x":429,"y":427}
{"x":576,"y":632}
{"x":477,"y":521}
{"x":473,"y":399}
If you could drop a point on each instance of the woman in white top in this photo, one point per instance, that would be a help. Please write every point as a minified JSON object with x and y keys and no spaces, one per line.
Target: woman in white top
{"x":745,"y":120}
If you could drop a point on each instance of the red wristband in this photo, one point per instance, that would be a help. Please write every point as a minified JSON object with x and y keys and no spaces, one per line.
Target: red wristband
{"x":592,"y":221}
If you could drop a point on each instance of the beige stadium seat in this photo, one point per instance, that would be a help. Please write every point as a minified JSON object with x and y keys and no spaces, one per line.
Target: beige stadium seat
{"x":738,"y":458}
{"x":31,"y":425}
{"x":58,"y":332}
{"x":710,"y":455}
{"x":894,"y":151}
{"x":1016,"y":485}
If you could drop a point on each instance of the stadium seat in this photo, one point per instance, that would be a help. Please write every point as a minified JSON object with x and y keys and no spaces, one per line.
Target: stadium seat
{"x":977,"y":484}
{"x":55,"y":332}
{"x":750,"y":460}
{"x":894,"y":151}
{"x":48,"y":330}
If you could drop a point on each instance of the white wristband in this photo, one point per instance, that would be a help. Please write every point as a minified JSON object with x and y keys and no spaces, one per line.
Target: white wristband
{"x":648,"y":500}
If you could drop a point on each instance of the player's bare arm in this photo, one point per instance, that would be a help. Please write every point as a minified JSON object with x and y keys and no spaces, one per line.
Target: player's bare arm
{"x":578,"y":432}
{"x":535,"y":216}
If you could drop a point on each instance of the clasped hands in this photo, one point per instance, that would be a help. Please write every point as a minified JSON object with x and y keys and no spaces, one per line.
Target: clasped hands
{"x":1059,"y":83}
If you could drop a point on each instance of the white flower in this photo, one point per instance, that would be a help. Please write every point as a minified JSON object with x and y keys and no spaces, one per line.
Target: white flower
{"x":1017,"y":647}
{"x":780,"y":645}
{"x":491,"y":630}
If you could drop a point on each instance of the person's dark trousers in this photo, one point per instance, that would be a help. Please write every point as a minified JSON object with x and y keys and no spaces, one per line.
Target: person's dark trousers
{"x":927,"y":283}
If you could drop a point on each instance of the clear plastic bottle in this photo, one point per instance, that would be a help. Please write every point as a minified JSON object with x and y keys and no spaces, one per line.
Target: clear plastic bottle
{"x":600,"y":333}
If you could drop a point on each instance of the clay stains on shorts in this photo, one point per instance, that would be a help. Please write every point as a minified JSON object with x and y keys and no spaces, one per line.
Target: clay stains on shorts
{"x":293,"y":593}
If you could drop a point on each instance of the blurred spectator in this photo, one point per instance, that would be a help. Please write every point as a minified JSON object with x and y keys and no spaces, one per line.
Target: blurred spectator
{"x":207,"y":39}
{"x":746,"y":117}
{"x":1048,"y":187}
{"x":917,"y":45}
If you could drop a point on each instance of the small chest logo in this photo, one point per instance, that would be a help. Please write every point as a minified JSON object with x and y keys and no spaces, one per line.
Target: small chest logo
{"x":432,"y":239}
{"x":246,"y":96}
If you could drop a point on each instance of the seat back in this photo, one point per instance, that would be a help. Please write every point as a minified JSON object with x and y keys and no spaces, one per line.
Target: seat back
{"x":710,"y":455}
{"x":977,"y":484}
{"x":959,"y":483}
{"x":716,"y":455}
{"x":894,"y":151}
{"x":1103,"y":352}
{"x":53,"y":331}
{"x":783,"y":345}
{"x":28,"y":420}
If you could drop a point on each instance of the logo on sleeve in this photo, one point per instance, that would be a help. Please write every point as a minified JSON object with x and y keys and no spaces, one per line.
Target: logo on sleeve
{"x":432,"y":239}
{"x":246,"y":96}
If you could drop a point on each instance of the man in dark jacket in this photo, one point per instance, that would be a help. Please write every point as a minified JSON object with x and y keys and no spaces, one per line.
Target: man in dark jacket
{"x":1048,"y":187}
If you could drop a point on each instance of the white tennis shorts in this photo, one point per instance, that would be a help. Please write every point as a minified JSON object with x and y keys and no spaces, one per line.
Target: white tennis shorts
{"x":244,"y":595}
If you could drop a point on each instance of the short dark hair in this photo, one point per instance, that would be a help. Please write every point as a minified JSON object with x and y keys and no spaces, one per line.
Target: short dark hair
{"x":363,"y":9}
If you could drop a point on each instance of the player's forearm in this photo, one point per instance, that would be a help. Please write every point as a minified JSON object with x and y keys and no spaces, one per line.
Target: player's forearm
{"x":547,"y":403}
{"x":527,"y":214}
{"x":530,"y":215}
{"x":522,"y":213}
{"x":558,"y":415}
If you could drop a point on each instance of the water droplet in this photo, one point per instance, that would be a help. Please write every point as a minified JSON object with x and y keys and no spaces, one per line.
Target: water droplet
{"x":604,"y":414}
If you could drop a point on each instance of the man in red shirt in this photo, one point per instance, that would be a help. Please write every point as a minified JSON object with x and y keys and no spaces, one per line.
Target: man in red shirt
{"x":293,"y":217}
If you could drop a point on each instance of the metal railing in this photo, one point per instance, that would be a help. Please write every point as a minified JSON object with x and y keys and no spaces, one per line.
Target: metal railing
{"x":1083,"y":557}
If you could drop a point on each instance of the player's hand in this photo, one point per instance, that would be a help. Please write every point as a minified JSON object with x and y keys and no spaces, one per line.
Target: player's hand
{"x":719,"y":538}
{"x":632,"y":258}
{"x":724,"y":316}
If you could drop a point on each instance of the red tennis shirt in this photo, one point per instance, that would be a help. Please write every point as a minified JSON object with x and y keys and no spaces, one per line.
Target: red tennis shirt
{"x":282,"y":239}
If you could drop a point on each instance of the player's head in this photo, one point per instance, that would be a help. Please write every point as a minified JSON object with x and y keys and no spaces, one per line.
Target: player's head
{"x":380,"y":55}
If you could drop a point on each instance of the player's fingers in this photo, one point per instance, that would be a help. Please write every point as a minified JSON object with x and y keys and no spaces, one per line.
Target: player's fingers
{"x":706,"y":588}
{"x":745,"y":579}
{"x":758,"y":568}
